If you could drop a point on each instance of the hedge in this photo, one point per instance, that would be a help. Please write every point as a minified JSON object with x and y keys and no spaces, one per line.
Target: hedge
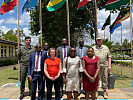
{"x":8,"y":61}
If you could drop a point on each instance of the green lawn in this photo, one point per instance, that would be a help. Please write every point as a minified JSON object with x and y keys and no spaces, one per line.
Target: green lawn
{"x":11,"y":76}
{"x":122,"y":82}
{"x":8,"y":75}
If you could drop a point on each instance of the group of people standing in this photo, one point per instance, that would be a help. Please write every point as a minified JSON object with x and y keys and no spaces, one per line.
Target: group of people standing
{"x":67,"y":65}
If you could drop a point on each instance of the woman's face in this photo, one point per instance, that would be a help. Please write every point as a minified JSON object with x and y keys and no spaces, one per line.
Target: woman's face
{"x":72,"y":52}
{"x":90,"y":52}
{"x":52,"y":53}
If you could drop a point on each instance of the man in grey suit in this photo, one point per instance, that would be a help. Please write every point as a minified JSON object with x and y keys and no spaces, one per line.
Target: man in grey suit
{"x":62,"y":52}
{"x":81,"y":51}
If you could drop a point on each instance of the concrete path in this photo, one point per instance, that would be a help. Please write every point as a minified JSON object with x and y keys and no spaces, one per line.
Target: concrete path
{"x":10,"y":91}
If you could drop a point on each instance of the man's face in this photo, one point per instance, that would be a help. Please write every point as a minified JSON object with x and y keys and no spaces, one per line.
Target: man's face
{"x":99,"y":42}
{"x":64,"y":42}
{"x":27,"y":41}
{"x":38,"y":47}
{"x":81,"y":43}
{"x":46,"y":46}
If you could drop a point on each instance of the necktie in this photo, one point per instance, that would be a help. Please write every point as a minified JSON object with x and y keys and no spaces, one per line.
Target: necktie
{"x":81,"y":53}
{"x":37,"y":62}
{"x":64,"y":52}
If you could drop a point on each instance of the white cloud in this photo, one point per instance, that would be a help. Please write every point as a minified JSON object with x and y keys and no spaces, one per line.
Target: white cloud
{"x":11,"y":12}
{"x":116,"y":36}
{"x":11,"y":20}
{"x":1,"y":21}
{"x":23,"y":20}
{"x":4,"y":29}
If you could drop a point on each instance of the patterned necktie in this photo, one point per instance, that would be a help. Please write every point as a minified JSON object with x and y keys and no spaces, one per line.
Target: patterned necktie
{"x":64,"y":52}
{"x":37,"y":62}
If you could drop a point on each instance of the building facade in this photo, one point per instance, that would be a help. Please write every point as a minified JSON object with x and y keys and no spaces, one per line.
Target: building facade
{"x":7,"y":49}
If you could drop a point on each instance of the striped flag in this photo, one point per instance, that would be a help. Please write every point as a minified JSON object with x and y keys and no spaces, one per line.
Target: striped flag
{"x":29,"y":4}
{"x":7,"y":5}
{"x":55,"y":4}
{"x":112,"y":4}
{"x":83,"y":2}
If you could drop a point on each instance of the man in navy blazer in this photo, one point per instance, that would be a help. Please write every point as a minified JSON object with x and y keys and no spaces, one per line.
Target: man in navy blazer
{"x":36,"y":71}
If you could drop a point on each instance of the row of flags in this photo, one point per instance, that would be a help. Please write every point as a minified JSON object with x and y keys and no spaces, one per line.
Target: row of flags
{"x":53,"y":5}
{"x":123,"y":15}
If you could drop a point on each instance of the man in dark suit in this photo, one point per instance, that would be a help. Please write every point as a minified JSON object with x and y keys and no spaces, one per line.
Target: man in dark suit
{"x":36,"y":71}
{"x":62,"y":52}
{"x":81,"y":51}
{"x":45,"y":51}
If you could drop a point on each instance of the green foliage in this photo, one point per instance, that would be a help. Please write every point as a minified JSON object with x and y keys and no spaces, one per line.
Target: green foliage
{"x":123,"y":63}
{"x":8,"y":61}
{"x":108,"y":43}
{"x":10,"y":35}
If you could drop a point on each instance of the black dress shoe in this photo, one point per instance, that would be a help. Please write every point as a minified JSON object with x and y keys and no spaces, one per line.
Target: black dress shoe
{"x":21,"y":96}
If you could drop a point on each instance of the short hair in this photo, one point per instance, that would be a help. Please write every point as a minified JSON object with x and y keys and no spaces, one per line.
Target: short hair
{"x":90,"y":48}
{"x":27,"y":37}
{"x":50,"y":50}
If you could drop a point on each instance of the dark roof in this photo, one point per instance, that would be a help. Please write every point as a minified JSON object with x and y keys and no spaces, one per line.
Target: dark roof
{"x":8,"y":42}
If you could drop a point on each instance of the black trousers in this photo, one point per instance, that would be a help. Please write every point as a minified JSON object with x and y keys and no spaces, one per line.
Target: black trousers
{"x":49,"y":84}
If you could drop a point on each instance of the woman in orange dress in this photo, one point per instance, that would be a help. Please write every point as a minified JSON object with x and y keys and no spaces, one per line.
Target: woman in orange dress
{"x":52,"y":70}
{"x":91,"y":68}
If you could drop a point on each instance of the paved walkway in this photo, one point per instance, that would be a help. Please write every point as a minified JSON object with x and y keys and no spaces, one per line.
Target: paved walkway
{"x":10,"y":91}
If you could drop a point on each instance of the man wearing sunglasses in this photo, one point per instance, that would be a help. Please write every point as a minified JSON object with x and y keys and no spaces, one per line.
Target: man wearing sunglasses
{"x":36,"y":71}
{"x":23,"y":56}
{"x":81,"y":51}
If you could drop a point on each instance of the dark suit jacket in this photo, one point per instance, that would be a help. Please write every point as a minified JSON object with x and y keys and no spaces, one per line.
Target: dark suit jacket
{"x":60,"y":53}
{"x":31,"y":64}
{"x":85,"y":49}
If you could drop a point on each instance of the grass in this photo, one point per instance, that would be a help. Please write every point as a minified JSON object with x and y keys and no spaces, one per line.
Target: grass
{"x":9,"y":75}
{"x":125,"y":81}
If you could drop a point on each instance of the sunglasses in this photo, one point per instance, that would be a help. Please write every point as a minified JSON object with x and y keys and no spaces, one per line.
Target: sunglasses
{"x":73,"y":50}
{"x":38,"y":47}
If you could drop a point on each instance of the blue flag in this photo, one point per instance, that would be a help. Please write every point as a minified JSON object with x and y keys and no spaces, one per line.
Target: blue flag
{"x":29,"y":4}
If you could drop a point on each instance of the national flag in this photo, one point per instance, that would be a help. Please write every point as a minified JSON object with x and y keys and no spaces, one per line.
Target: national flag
{"x":115,"y":24}
{"x":107,"y":22}
{"x":112,"y":4}
{"x":125,"y":14}
{"x":55,"y":4}
{"x":29,"y":4}
{"x":7,"y":5}
{"x":83,"y":2}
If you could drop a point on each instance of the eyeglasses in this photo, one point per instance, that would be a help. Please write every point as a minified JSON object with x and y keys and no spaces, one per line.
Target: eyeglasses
{"x":38,"y":47}
{"x":73,"y":50}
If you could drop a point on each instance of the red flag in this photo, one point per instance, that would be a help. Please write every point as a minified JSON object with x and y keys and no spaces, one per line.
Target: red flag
{"x":7,"y":5}
{"x":83,"y":2}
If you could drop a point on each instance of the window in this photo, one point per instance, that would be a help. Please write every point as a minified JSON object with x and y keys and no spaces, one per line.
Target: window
{"x":2,"y":51}
{"x":5,"y":51}
{"x":12,"y":52}
{"x":9,"y":51}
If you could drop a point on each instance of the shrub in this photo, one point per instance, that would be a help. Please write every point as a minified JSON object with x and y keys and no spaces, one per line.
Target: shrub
{"x":8,"y":61}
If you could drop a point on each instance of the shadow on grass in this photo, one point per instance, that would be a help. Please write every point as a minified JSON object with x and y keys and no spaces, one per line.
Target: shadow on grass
{"x":13,"y":78}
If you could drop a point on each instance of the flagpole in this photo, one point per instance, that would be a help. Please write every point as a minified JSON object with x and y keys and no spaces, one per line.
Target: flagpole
{"x":68,"y":25}
{"x":121,"y":50}
{"x":110,"y":23}
{"x":40,"y":18}
{"x":96,"y":19}
{"x":131,"y":38}
{"x":18,"y":48}
{"x":104,"y":33}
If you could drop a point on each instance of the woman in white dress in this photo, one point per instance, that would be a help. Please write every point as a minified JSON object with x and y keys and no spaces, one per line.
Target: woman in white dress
{"x":72,"y":67}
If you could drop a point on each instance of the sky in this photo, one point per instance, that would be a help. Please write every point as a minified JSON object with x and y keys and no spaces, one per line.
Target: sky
{"x":9,"y":21}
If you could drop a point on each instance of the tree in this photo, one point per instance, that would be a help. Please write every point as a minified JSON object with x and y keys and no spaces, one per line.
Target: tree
{"x":54,"y":23}
{"x":125,"y":44}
